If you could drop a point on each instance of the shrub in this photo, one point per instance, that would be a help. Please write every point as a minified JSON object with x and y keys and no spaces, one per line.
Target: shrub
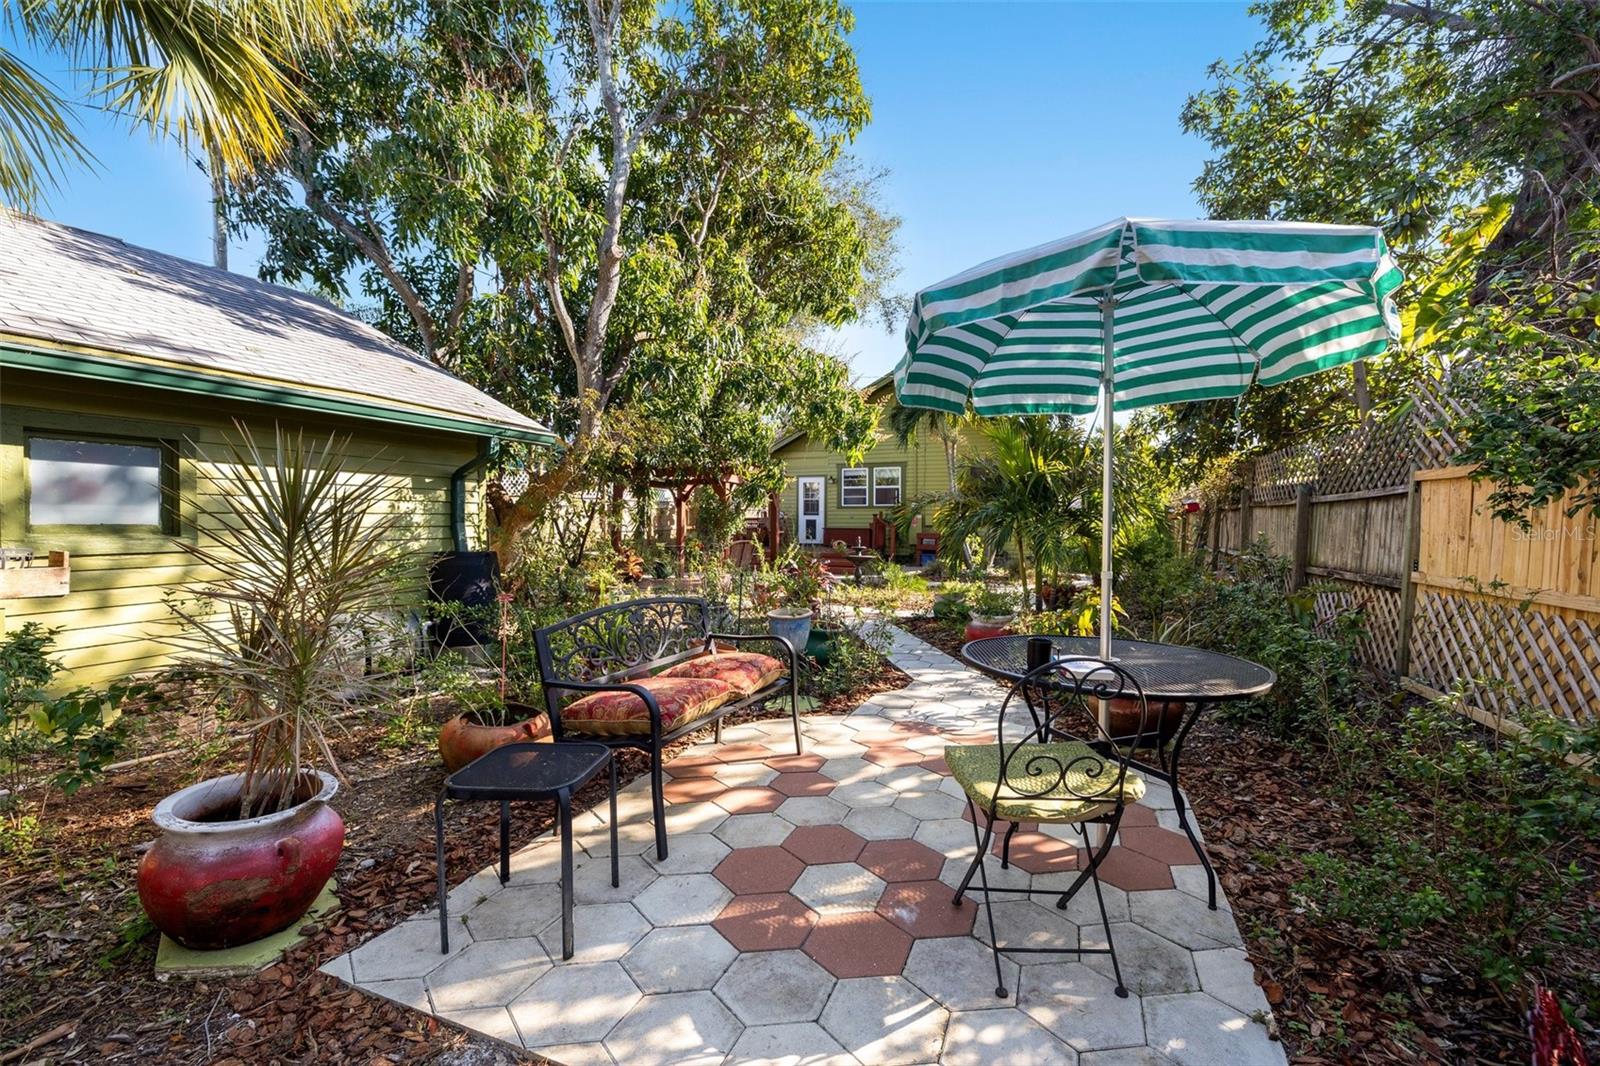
{"x":856,"y":657}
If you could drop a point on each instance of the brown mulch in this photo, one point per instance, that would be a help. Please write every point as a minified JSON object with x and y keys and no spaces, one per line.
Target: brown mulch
{"x":1336,"y":995}
{"x":76,"y":954}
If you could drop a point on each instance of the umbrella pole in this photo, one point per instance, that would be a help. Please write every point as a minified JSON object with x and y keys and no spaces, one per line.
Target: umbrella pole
{"x":1108,"y":308}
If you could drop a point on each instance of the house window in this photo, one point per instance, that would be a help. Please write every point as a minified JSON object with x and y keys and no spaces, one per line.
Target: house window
{"x":853,"y":486}
{"x":886,"y":486}
{"x":112,"y":483}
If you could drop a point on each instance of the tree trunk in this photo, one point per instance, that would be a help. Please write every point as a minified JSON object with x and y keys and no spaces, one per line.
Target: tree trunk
{"x":219,"y":217}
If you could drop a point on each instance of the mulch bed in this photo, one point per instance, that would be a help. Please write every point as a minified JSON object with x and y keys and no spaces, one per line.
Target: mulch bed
{"x":76,"y":955}
{"x":1336,"y":995}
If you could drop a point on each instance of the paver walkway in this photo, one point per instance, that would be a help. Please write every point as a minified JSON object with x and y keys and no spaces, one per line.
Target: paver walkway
{"x":804,"y":916}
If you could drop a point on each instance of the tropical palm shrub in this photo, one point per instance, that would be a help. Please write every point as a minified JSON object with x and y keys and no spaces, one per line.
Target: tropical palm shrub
{"x":304,"y":555}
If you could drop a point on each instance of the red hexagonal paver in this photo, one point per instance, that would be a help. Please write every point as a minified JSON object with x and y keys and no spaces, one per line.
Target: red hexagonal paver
{"x":749,"y":799}
{"x":692,"y":765}
{"x":795,"y":763}
{"x":803,"y":784}
{"x":892,"y":755}
{"x":1162,"y":845}
{"x":817,"y":845}
{"x":901,"y":860}
{"x":1133,"y":872}
{"x":744,"y":751}
{"x":924,"y":909}
{"x":1137,"y":815}
{"x":689,"y":789}
{"x":937,"y":764}
{"x":858,"y":945}
{"x":1040,"y":854}
{"x":771,"y":922}
{"x":751,"y":871}
{"x":913,"y":727}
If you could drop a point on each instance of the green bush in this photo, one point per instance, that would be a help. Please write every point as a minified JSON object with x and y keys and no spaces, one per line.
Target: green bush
{"x":856,"y":657}
{"x":953,"y":603}
{"x":1480,"y":833}
{"x":48,"y":741}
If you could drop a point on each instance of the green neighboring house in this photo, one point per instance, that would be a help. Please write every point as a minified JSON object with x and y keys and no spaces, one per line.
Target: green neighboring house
{"x":827,"y":498}
{"x":115,"y":361}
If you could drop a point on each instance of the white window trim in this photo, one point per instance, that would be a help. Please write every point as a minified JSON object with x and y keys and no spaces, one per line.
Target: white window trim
{"x":899,"y":484}
{"x":865,"y":486}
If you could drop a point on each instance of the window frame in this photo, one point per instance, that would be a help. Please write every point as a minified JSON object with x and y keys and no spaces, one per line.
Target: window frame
{"x":899,"y":484}
{"x":866,"y":486}
{"x":18,"y":428}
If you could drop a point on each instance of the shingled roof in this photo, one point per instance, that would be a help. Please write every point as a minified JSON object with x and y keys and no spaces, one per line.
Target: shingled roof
{"x":82,"y":303}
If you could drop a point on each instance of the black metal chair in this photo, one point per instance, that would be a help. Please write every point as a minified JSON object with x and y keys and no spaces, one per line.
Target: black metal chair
{"x":1045,"y":775}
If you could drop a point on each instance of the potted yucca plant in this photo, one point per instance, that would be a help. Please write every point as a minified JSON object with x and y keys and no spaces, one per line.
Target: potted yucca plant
{"x":302,"y":553}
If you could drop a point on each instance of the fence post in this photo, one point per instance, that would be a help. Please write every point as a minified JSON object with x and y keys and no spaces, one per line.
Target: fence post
{"x":1302,"y":537}
{"x":1408,"y":588}
{"x":1245,"y":536}
{"x":1216,"y":534}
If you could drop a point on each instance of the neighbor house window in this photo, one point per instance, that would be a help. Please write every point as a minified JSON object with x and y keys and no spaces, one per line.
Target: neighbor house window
{"x":115,"y":483}
{"x":853,"y":486}
{"x":885,"y":486}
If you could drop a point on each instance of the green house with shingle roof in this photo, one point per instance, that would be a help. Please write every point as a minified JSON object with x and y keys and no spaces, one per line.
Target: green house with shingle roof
{"x":117,"y":361}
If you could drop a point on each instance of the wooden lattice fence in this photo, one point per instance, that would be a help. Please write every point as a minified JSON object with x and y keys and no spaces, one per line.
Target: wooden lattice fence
{"x":1376,"y":519}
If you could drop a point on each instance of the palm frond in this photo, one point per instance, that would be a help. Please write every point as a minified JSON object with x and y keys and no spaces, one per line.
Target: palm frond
{"x":37,"y":139}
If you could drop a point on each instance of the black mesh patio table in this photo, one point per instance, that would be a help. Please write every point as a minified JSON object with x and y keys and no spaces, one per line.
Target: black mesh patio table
{"x":537,"y":770}
{"x":1168,"y":673}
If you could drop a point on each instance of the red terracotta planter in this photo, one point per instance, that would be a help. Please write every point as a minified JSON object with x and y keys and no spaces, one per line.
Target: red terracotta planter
{"x":1161,"y":722}
{"x":980,"y":627}
{"x":462,"y":740}
{"x":213,"y":882}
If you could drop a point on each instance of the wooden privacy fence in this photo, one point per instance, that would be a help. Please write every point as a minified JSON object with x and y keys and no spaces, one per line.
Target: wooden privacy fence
{"x":1374,"y":520}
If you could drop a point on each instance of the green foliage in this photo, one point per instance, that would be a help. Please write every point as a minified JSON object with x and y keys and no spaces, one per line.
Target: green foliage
{"x":716,"y":520}
{"x":1475,"y":832}
{"x":953,"y":603}
{"x":856,"y":657}
{"x":48,"y":740}
{"x":994,"y":601}
{"x":304,"y":556}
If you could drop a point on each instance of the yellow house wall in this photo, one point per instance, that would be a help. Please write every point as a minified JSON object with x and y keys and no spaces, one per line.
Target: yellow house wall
{"x":114,"y":617}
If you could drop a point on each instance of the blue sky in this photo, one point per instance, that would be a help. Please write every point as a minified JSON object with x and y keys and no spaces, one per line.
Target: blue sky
{"x":1003,"y":125}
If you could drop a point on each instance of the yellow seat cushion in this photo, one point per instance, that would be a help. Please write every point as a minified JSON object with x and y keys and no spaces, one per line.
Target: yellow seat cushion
{"x":1087,"y":789}
{"x":613,"y":714}
{"x":746,"y":671}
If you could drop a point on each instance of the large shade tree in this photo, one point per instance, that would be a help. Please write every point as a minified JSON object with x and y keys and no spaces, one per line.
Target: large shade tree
{"x":575,"y":204}
{"x":1458,"y":126}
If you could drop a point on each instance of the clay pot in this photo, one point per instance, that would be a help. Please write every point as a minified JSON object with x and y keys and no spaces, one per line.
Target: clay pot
{"x":463,"y":739}
{"x":981,"y":626}
{"x":792,"y":624}
{"x":213,"y":880}
{"x":1161,"y":722}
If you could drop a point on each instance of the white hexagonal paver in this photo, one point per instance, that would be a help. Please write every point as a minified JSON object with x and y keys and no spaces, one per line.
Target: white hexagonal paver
{"x":745,"y":773}
{"x":540,"y":863}
{"x":1002,"y":1035}
{"x":600,"y":932}
{"x":684,"y":958}
{"x":850,"y":771}
{"x":753,"y":831}
{"x":931,"y":805}
{"x":574,"y":1003}
{"x":1150,"y":963}
{"x":1083,"y":909}
{"x":683,"y":899}
{"x":408,"y":992}
{"x":684,"y":819}
{"x":790,"y":1044}
{"x":950,"y":837}
{"x":836,"y":749}
{"x":1013,"y":877}
{"x":490,"y":973}
{"x":860,"y":794}
{"x":885,"y":1020}
{"x":1184,"y":919}
{"x":959,"y":972}
{"x":410,"y":949}
{"x":697,"y":853}
{"x":880,"y":823}
{"x":812,"y":810}
{"x":1226,"y":973}
{"x":680,"y":1028}
{"x":771,"y":987}
{"x":1192,"y":879}
{"x":1124,"y":1056}
{"x":1022,"y":924}
{"x":493,"y":1022}
{"x":591,"y":882}
{"x":912,"y":779}
{"x":1193,"y":1029}
{"x":838,"y":888}
{"x":1081,"y":1007}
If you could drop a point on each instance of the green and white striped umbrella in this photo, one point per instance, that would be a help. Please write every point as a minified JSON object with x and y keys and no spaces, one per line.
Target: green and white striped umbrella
{"x":1200,"y":308}
{"x":1139,"y":312}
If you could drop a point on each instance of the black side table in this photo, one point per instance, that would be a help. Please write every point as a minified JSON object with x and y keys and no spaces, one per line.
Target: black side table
{"x":527,"y":771}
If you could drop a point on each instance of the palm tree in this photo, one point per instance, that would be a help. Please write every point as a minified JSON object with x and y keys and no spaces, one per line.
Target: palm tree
{"x":215,"y":74}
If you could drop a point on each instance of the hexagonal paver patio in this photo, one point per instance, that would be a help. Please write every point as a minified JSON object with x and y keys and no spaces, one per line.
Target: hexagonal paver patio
{"x":805,"y":914}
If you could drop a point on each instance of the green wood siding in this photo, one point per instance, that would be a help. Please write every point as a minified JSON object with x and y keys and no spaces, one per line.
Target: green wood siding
{"x":113,"y":619}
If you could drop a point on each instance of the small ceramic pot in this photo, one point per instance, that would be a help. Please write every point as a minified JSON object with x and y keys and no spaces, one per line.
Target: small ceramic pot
{"x":793,"y":624}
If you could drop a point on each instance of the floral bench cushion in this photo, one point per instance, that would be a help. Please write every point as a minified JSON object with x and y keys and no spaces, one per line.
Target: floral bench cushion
{"x":682,"y":700}
{"x":745,"y":671}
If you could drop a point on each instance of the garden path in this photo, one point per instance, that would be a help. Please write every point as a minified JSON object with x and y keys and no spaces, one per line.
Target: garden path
{"x":804,"y":916}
